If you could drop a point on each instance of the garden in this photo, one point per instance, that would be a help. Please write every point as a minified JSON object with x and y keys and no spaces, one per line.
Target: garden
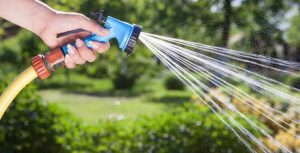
{"x":134,"y":103}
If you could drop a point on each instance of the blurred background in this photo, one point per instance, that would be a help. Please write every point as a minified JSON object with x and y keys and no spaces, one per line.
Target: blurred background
{"x":134,"y":104}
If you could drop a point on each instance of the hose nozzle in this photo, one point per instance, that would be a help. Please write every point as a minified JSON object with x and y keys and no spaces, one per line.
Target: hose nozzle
{"x":126,"y":34}
{"x":122,"y":31}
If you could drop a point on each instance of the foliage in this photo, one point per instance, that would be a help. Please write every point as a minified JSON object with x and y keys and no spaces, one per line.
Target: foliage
{"x":29,"y":125}
{"x":126,"y":71}
{"x":294,"y":31}
{"x":187,"y":129}
{"x":286,"y":137}
{"x":293,"y":81}
{"x":122,"y":81}
{"x":173,"y":83}
{"x":20,"y":49}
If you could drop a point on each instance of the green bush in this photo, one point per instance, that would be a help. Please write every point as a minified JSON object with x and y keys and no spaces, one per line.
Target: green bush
{"x":187,"y":129}
{"x":20,"y":49}
{"x":128,"y":70}
{"x":31,"y":125}
{"x":122,"y":81}
{"x":25,"y":127}
{"x":173,"y":83}
{"x":293,"y":81}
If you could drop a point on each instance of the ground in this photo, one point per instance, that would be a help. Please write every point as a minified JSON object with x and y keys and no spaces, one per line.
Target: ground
{"x":91,"y":108}
{"x":94,"y":99}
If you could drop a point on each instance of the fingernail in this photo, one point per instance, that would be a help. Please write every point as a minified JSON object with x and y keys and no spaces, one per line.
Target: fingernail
{"x":94,"y":46}
{"x":79,"y":43}
{"x":71,"y":49}
{"x":67,"y":56}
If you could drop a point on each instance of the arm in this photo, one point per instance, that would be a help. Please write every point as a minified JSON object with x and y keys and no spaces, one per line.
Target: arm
{"x":46,"y":22}
{"x":30,"y":14}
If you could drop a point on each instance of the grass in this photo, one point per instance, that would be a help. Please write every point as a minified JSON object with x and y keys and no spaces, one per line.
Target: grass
{"x":94,"y":99}
{"x":92,"y":108}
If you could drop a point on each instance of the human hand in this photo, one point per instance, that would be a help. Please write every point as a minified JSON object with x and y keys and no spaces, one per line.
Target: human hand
{"x":61,"y":22}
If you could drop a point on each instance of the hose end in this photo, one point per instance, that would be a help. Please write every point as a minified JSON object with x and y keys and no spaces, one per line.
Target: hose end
{"x":133,"y":39}
{"x":40,"y":67}
{"x":44,"y":65}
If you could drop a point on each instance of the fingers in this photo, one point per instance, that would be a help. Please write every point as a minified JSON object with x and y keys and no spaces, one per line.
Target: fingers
{"x":77,"y":58}
{"x":69,"y":62}
{"x":99,"y":47}
{"x":92,"y":26}
{"x":85,"y":53}
{"x":81,"y":54}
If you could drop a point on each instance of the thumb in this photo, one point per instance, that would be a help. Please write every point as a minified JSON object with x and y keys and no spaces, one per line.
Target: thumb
{"x":92,"y":26}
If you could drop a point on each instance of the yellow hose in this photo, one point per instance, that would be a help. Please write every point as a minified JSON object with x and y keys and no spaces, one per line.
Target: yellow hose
{"x":15,"y":87}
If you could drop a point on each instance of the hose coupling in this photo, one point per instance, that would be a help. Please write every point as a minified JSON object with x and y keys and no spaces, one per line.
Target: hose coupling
{"x":50,"y":62}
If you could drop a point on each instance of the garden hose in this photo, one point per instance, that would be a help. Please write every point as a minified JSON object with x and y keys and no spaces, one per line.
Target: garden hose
{"x":15,"y":87}
{"x":43,"y":65}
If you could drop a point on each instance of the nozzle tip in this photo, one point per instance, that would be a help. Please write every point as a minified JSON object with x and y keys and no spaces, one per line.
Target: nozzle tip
{"x":133,"y":39}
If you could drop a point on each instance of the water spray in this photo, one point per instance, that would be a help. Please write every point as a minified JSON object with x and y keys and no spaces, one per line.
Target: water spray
{"x":43,"y":65}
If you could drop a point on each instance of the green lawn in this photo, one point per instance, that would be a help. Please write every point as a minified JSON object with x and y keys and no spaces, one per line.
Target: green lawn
{"x":94,"y":99}
{"x":93,"y":108}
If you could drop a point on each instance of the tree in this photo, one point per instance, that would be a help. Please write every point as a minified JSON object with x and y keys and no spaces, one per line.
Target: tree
{"x":260,"y":22}
{"x":293,"y":35}
{"x":227,"y":22}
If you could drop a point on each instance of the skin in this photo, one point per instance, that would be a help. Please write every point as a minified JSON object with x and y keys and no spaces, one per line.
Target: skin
{"x":46,"y":22}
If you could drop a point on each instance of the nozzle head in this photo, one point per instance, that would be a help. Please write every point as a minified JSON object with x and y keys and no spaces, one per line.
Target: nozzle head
{"x":126,"y":34}
{"x":133,"y":39}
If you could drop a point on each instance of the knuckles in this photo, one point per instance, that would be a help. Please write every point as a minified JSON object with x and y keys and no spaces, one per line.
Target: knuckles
{"x":86,"y":55}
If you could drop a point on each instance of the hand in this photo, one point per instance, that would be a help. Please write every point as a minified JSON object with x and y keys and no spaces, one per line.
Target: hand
{"x":62,"y":22}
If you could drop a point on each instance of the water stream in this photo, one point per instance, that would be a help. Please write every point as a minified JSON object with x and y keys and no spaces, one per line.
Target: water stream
{"x":210,"y":72}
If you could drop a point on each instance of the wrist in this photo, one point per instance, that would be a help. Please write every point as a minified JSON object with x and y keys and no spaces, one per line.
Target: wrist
{"x":41,"y":21}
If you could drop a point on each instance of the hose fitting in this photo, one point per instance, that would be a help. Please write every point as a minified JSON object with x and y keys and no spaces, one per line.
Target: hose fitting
{"x":44,"y":65}
{"x":39,"y":66}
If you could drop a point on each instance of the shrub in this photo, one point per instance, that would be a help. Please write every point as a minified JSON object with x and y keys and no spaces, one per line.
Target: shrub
{"x":122,"y":81}
{"x":30,"y":125}
{"x":24,"y":126}
{"x":188,"y":129}
{"x":173,"y":83}
{"x":128,"y":72}
{"x":293,"y":81}
{"x":20,"y":49}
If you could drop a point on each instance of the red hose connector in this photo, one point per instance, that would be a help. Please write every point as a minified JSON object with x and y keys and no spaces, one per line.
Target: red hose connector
{"x":44,"y":65}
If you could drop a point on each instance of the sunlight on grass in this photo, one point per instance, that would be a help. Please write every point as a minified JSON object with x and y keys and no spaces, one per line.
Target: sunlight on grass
{"x":92,"y":108}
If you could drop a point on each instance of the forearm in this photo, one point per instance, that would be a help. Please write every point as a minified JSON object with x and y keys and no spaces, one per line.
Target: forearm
{"x":30,"y":14}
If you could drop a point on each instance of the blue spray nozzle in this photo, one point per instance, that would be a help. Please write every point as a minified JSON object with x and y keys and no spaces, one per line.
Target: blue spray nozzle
{"x":125,"y":33}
